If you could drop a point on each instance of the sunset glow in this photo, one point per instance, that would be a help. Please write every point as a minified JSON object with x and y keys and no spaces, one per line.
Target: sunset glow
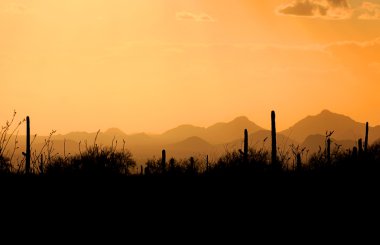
{"x":150,"y":65}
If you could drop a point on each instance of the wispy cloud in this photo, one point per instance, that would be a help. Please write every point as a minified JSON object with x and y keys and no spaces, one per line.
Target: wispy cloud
{"x":15,"y":8}
{"x":188,"y":16}
{"x":325,"y":9}
{"x":364,"y":44}
{"x":358,"y":53}
{"x":369,"y":11}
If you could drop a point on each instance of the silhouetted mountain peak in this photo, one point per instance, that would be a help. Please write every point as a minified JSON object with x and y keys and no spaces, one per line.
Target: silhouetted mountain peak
{"x":193,"y":144}
{"x":194,"y":141}
{"x":333,"y":115}
{"x":326,"y":112}
{"x":182,"y":132}
{"x":185,"y":126}
{"x":238,"y":122}
{"x":114,"y":131}
{"x":344,"y":127}
{"x":241,"y":119}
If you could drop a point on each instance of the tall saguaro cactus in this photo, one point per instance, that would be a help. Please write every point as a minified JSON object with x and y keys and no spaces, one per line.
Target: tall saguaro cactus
{"x":355,"y":152}
{"x":27,"y":155}
{"x":299,"y":162}
{"x":366,"y":138}
{"x":328,"y":150}
{"x":274,"y":140}
{"x":163,"y":161}
{"x":245,"y":155}
{"x":207,"y":166}
{"x":360,"y":146}
{"x":192,"y":165}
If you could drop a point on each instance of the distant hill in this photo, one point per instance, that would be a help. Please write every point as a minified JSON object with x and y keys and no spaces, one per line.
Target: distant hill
{"x":193,"y":146}
{"x":225,"y":132}
{"x":77,"y":136}
{"x":218,"y":133}
{"x":106,"y":138}
{"x":115,"y":132}
{"x":188,"y":140}
{"x":183,"y":132}
{"x":193,"y":143}
{"x":345,"y":128}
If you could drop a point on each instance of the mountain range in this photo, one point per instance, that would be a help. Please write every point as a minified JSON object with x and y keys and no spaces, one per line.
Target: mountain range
{"x":343,"y":126}
{"x":188,"y":140}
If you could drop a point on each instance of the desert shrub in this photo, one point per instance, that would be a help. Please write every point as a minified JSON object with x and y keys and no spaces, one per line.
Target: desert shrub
{"x":5,"y":165}
{"x":94,"y":161}
{"x":233,"y":163}
{"x":8,"y":143}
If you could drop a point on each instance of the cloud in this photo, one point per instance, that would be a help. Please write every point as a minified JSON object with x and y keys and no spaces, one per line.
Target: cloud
{"x":369,"y":48}
{"x":369,"y":11}
{"x":325,"y":9}
{"x":15,"y":8}
{"x":188,"y":16}
{"x":357,"y":56}
{"x":364,"y":52}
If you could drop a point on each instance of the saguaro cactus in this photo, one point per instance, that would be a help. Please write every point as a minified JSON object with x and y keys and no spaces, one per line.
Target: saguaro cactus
{"x":27,"y":154}
{"x":192,"y":165}
{"x":360,"y":146}
{"x":328,"y":150}
{"x":171,"y":165}
{"x":299,"y":162}
{"x":245,"y":146}
{"x":355,"y":152}
{"x":163,"y":161}
{"x":274,"y":140}
{"x":366,"y":138}
{"x":207,"y":166}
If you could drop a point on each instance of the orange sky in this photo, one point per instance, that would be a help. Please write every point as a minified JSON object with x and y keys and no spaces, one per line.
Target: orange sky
{"x":149,"y":65}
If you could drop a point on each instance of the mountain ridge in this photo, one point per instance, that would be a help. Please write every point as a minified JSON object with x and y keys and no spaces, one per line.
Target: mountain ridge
{"x":344,"y":127}
{"x":188,"y":140}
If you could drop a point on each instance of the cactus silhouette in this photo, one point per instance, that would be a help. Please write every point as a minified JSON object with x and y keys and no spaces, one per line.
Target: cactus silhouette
{"x":355,"y":152}
{"x":147,"y":171}
{"x":171,"y":165}
{"x":27,"y":154}
{"x":299,"y":162}
{"x":354,"y":157}
{"x":163,"y":161}
{"x":207,"y":166}
{"x":192,"y":165}
{"x":366,"y":138}
{"x":274,"y":141}
{"x":245,"y":146}
{"x":328,"y":150}
{"x":360,"y":146}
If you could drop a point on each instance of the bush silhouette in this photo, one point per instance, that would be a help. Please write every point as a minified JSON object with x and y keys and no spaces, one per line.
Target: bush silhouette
{"x":5,"y":165}
{"x":94,"y":161}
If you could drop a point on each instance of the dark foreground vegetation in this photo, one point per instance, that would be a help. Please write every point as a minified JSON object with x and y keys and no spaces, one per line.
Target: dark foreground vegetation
{"x":243,"y":183}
